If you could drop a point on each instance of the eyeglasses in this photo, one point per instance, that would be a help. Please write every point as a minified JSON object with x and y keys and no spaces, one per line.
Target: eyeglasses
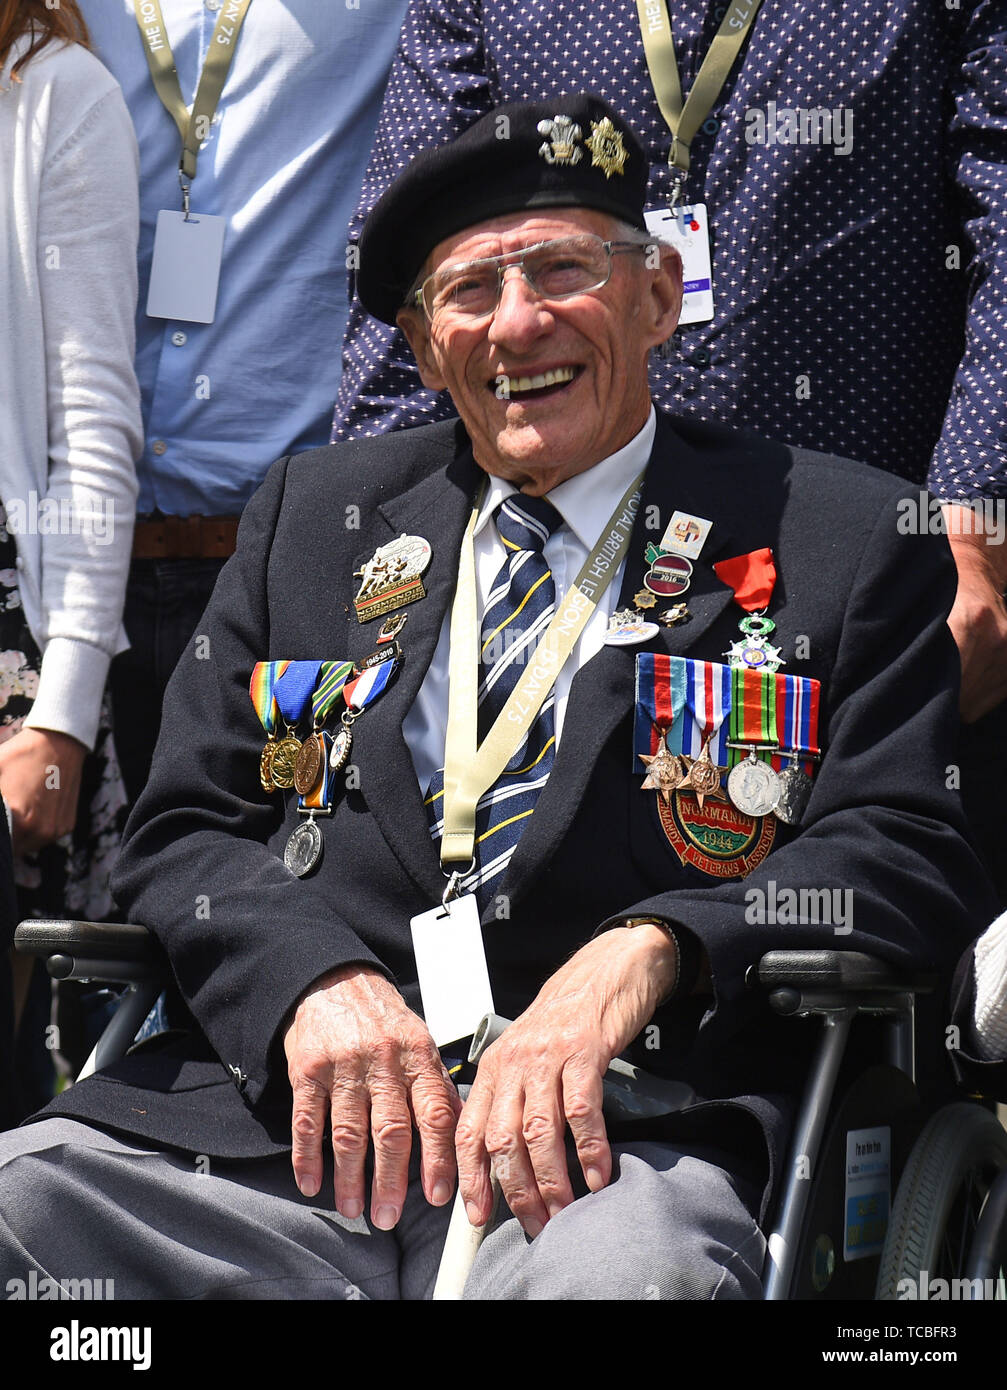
{"x":554,"y":269}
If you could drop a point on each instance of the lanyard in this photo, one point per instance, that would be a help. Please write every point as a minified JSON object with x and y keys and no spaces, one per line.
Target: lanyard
{"x":683,"y":120}
{"x":470,"y":771}
{"x":193,"y":126}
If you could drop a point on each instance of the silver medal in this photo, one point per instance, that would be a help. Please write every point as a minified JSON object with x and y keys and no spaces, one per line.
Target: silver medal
{"x":304,"y":848}
{"x":795,"y":789}
{"x":753,"y":786}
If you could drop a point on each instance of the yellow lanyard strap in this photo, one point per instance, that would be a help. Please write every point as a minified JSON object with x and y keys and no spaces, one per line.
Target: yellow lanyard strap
{"x":193,"y":126}
{"x":470,"y":771}
{"x":684,"y":120}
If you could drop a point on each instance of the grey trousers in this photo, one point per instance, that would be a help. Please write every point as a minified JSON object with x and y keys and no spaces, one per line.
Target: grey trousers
{"x":79,"y":1204}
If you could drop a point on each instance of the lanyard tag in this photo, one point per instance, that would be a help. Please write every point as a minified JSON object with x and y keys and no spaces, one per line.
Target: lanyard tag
{"x":186,"y":267}
{"x":451,"y":966}
{"x":687,"y":228}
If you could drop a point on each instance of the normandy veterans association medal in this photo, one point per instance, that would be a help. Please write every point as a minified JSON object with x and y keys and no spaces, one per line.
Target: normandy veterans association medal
{"x":392,"y":578}
{"x":361,"y":690}
{"x":264,"y":677}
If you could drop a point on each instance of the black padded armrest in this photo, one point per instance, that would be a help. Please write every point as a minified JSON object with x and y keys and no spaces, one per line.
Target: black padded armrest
{"x":839,"y":971}
{"x":115,"y":952}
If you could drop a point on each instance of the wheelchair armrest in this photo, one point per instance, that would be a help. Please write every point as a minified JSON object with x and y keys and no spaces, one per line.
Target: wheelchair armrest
{"x":114,"y":951}
{"x":824,"y":981}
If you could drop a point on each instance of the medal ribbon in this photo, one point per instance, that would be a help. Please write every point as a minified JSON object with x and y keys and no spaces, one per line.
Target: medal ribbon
{"x":364,"y":689}
{"x":470,"y":767}
{"x":797,"y":699}
{"x":753,"y":710}
{"x":192,"y":126}
{"x":293,"y":689}
{"x":751,"y":576}
{"x":683,"y":120}
{"x":265,"y":674}
{"x":334,"y":675}
{"x":660,"y":696}
{"x":708,"y":699}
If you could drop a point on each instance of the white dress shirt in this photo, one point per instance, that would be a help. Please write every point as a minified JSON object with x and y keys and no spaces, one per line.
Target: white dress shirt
{"x":586,"y":503}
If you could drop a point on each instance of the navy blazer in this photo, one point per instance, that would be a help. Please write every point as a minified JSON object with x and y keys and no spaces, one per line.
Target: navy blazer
{"x":202,"y":860}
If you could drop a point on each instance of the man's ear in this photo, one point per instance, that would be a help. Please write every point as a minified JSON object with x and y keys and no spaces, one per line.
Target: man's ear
{"x":415,"y":326}
{"x":665,"y":301}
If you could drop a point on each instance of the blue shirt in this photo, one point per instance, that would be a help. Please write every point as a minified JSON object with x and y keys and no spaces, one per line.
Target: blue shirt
{"x":860,"y":285}
{"x":283,"y":163}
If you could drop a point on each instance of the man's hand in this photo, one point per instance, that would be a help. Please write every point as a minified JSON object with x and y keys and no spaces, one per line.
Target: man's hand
{"x":40,"y":773}
{"x":546,"y":1072}
{"x":356,"y":1055}
{"x":978,"y":619}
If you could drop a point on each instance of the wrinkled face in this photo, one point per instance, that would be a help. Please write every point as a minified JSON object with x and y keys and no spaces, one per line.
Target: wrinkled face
{"x":547,"y":388}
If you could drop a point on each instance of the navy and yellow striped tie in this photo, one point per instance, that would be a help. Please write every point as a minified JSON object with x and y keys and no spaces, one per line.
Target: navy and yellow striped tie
{"x":518,"y":610}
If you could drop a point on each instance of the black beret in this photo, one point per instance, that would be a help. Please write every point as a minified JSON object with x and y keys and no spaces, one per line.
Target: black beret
{"x":571,"y":151}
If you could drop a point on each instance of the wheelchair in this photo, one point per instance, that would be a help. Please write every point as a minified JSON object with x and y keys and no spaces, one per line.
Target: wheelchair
{"x":858,"y":1135}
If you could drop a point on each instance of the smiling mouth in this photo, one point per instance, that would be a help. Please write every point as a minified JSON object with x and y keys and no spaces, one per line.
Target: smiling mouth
{"x":535,"y":387}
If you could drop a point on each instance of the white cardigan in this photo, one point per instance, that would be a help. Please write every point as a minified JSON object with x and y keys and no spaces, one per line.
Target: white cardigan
{"x":70,"y":426}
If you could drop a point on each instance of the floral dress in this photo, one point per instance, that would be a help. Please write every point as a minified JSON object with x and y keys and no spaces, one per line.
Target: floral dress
{"x":68,"y":878}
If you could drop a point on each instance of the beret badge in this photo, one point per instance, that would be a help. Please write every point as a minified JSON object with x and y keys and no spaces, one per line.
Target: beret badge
{"x":607,"y":149}
{"x":562,"y":137}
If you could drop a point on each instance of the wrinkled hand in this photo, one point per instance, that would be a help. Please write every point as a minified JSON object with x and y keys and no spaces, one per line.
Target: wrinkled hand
{"x":546,"y":1072}
{"x":978,"y":622}
{"x":359,"y":1057}
{"x":43,"y":802}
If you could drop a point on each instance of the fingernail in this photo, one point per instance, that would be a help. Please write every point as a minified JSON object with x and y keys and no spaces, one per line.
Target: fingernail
{"x":386,"y":1217}
{"x":308,"y":1186}
{"x":554,"y":1209}
{"x":473,"y":1213}
{"x":350,"y":1208}
{"x":442,"y":1192}
{"x":593,"y":1178}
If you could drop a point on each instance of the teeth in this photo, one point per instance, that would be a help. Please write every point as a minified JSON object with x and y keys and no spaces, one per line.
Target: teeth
{"x":554,"y":377}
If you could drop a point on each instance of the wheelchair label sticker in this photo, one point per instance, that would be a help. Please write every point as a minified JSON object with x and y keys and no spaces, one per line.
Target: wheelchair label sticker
{"x":868,"y":1191}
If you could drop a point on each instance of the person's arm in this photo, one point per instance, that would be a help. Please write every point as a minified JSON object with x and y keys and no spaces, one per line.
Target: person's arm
{"x":970,"y":460}
{"x":437,"y":87}
{"x":86,"y":253}
{"x":266,"y":963}
{"x":881,"y":826}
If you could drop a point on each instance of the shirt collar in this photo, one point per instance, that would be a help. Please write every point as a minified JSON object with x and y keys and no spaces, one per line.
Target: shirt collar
{"x":586,"y":500}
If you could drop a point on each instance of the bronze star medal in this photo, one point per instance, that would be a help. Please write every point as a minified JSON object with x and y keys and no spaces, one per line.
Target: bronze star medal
{"x":664,"y":771}
{"x":607,"y":149}
{"x":702,"y":776}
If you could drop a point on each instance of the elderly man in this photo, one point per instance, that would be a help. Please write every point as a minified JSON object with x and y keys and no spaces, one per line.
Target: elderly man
{"x":534,"y":785}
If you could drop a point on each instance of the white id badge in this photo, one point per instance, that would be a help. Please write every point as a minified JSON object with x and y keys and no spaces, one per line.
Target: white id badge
{"x":687,"y":228}
{"x":186,"y":266}
{"x":451,"y":965}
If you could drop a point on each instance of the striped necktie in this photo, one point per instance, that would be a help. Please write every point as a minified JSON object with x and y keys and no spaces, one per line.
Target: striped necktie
{"x":518,"y":610}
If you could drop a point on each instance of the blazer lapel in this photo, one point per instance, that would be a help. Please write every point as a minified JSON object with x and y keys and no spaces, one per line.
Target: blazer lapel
{"x":603,"y":691}
{"x":436,"y":508}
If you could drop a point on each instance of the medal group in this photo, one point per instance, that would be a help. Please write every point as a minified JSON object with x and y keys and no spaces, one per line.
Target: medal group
{"x":289,"y":692}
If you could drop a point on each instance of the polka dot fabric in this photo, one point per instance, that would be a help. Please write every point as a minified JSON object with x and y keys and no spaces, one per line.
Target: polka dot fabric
{"x":861,"y":297}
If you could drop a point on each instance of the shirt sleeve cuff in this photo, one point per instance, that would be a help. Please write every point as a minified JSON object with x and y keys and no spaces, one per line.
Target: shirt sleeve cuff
{"x":70,"y":688}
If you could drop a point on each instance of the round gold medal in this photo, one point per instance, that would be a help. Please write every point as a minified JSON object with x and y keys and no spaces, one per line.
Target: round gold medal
{"x":284,"y":757}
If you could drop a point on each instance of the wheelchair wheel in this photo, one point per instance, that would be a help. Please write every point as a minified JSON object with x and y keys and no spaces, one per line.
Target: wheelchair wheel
{"x":940,"y":1196}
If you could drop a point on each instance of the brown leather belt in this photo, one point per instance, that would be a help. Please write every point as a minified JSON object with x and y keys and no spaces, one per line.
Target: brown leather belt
{"x":185,"y":538}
